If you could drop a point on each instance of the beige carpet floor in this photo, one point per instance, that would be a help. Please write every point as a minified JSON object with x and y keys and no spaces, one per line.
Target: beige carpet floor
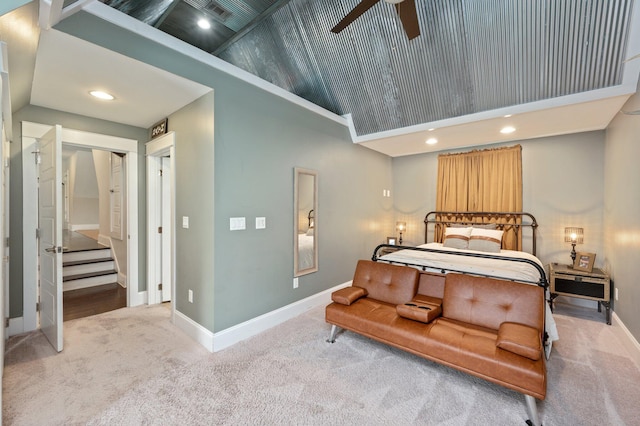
{"x":132,"y":367}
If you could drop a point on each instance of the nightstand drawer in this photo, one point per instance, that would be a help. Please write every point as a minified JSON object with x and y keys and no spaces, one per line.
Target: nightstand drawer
{"x":580,"y":287}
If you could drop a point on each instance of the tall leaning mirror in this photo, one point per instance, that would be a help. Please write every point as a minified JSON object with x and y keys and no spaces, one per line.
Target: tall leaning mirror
{"x":305,"y":245}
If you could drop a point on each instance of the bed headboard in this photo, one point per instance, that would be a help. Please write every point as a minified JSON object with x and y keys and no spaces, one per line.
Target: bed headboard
{"x":517,"y":226}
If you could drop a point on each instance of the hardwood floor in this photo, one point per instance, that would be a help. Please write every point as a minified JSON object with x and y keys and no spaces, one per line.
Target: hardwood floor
{"x":85,"y":302}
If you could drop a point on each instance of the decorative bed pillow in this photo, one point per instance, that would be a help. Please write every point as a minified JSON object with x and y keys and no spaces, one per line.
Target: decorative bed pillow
{"x":489,"y":240}
{"x":486,"y":226}
{"x":456,"y":237}
{"x":310,"y":232}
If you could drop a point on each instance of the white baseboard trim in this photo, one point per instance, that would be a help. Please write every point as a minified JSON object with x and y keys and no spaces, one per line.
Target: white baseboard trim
{"x":139,"y":298}
{"x":84,"y":227}
{"x":122,"y":279}
{"x":16,"y":326}
{"x":104,"y":240}
{"x":194,"y":330}
{"x":628,"y":339}
{"x":232,"y":335}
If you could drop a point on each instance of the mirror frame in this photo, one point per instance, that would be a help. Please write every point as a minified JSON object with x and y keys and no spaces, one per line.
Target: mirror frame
{"x":297,"y":172}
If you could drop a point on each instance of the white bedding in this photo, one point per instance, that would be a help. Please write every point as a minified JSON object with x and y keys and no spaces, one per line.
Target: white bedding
{"x":305,"y":251}
{"x":476,"y":265}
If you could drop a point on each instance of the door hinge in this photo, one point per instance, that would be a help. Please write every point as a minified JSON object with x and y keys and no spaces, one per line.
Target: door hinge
{"x":159,"y":229}
{"x":160,"y":286}
{"x":37,"y":306}
{"x":6,"y":323}
{"x":6,"y":242}
{"x":160,"y":172}
{"x":37,"y":233}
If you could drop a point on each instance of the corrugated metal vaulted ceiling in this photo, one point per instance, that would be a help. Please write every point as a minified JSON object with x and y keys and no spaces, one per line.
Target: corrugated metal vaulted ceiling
{"x":471,"y":56}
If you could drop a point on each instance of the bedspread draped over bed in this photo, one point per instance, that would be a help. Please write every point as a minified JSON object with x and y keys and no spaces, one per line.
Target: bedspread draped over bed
{"x":305,"y":251}
{"x":517,"y":266}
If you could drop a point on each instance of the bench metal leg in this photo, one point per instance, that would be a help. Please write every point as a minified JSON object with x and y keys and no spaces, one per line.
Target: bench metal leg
{"x":532,"y":411}
{"x":332,"y":336}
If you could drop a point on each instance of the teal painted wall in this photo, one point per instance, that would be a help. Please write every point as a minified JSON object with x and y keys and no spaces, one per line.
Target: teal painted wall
{"x":622,"y":210}
{"x":72,"y":121}
{"x":258,"y":139}
{"x":9,"y":5}
{"x":194,"y":177}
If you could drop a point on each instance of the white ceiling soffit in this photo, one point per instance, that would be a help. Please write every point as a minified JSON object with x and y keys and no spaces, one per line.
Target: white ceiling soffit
{"x":560,"y":120}
{"x":68,"y":68}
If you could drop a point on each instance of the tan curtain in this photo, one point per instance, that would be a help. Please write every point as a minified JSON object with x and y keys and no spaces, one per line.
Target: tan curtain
{"x":488,"y":180}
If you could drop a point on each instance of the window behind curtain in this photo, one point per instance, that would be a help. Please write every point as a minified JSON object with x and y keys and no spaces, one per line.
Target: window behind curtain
{"x":489,"y":180}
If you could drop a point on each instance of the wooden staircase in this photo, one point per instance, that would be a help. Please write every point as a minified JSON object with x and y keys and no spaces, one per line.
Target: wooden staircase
{"x":88,"y":268}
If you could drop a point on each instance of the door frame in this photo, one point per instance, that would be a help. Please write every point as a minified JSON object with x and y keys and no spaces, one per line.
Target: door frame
{"x":32,"y":131}
{"x":156,"y":149}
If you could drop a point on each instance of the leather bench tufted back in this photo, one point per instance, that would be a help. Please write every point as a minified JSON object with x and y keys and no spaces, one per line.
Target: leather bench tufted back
{"x":386,"y":283}
{"x":489,"y":302}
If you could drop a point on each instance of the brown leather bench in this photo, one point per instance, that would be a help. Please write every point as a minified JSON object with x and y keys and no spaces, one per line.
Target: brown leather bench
{"x":486,"y":327}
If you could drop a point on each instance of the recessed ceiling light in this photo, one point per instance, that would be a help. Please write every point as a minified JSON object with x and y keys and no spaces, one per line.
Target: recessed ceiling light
{"x":508,"y":129}
{"x":507,"y":116}
{"x":431,"y":141}
{"x":432,"y":129}
{"x":204,"y":24}
{"x":102,"y":95}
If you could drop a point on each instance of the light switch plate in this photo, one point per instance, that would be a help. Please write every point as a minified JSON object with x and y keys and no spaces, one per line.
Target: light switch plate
{"x":185,"y":222}
{"x":237,"y":223}
{"x":261,"y":222}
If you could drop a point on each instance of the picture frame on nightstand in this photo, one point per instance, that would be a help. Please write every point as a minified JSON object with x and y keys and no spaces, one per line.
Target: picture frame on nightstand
{"x":584,"y":262}
{"x":391,"y":240}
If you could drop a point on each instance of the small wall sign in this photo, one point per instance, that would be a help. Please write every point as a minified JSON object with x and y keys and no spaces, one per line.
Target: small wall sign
{"x":160,"y":128}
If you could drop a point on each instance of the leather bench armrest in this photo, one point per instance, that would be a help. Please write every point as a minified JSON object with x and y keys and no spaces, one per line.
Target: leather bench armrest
{"x":419,"y":311}
{"x":348,"y":295}
{"x":520,"y":339}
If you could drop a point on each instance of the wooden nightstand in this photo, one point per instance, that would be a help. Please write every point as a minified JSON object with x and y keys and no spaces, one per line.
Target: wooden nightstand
{"x":594,"y":285}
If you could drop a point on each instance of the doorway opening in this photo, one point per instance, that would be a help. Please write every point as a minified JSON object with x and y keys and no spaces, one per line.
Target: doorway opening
{"x":160,"y":219}
{"x":84,"y":140}
{"x":94,"y":261}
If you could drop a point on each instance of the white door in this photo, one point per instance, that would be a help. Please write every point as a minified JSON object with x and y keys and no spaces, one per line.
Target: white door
{"x":116,"y":196}
{"x":50,"y":225}
{"x":167,"y":221}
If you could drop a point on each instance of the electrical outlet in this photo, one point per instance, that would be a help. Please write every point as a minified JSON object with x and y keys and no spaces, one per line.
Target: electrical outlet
{"x":616,"y":293}
{"x":295,"y":282}
{"x":190,"y":296}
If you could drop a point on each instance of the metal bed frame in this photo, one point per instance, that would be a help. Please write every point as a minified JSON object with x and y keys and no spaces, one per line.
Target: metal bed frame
{"x":520,"y":222}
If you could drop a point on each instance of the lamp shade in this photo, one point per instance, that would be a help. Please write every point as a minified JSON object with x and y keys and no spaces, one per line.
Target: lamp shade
{"x":401,"y":226}
{"x":574,"y":235}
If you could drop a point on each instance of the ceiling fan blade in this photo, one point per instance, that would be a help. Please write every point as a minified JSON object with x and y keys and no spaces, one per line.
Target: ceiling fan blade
{"x":361,"y":8}
{"x":409,"y":18}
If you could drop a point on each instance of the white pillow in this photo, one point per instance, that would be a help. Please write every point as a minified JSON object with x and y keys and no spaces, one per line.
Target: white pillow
{"x":456,"y":237}
{"x":310,"y":232}
{"x":489,"y":240}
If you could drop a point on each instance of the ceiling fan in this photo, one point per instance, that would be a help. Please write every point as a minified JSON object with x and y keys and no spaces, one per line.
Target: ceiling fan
{"x":406,"y":10}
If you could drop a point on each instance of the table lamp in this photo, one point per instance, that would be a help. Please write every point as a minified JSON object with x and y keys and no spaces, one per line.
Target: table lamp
{"x":574,"y":236}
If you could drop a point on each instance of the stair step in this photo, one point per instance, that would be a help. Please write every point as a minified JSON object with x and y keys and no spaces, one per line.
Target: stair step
{"x":86,"y":255}
{"x":88,"y":268}
{"x":87,"y":261}
{"x":91,"y":281}
{"x":90,"y":275}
